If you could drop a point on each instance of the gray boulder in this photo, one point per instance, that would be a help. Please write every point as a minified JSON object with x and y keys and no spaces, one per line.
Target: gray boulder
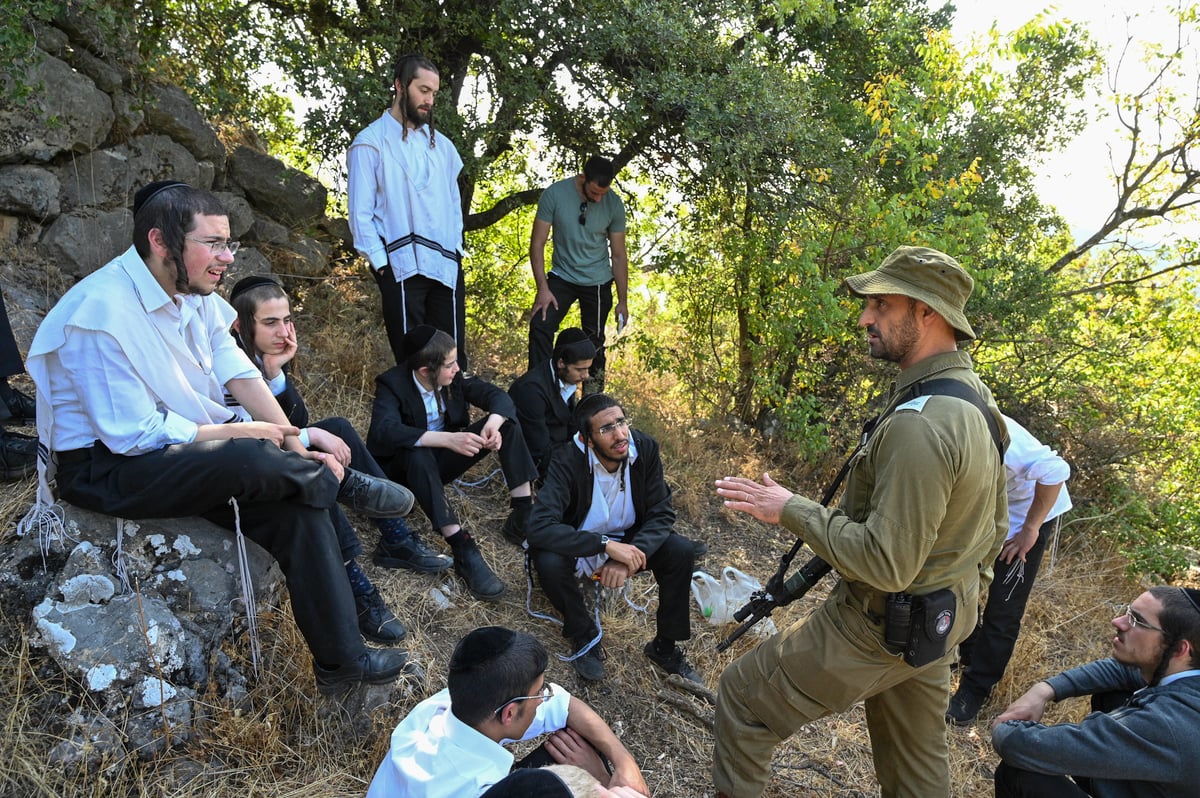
{"x":82,"y":241}
{"x":276,"y":189}
{"x":29,"y":190}
{"x":170,"y":111}
{"x":65,"y":113}
{"x":302,"y":257}
{"x":109,"y":178}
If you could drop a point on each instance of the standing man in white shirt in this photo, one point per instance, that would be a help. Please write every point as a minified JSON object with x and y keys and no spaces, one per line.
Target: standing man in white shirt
{"x":588,"y":222}
{"x":131,"y":368}
{"x":406,"y":212}
{"x":451,"y":745}
{"x":1037,"y":498}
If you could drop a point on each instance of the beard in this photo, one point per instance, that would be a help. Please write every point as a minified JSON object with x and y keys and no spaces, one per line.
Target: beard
{"x":417,"y":115}
{"x":898,"y":342}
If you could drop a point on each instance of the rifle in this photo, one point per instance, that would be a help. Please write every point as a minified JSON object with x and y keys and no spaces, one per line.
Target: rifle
{"x":763,"y":602}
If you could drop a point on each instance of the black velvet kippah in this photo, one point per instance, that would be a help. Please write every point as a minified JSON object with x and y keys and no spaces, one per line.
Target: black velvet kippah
{"x":152,"y":190}
{"x":529,"y":783}
{"x":1192,"y":595}
{"x":416,"y":338}
{"x":481,"y":645}
{"x":571,"y":335}
{"x":246,"y":283}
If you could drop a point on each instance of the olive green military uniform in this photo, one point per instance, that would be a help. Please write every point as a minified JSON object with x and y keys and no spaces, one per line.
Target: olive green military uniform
{"x":923,"y":509}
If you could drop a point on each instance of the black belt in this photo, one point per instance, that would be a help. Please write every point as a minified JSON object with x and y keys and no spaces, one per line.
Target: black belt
{"x":74,"y":457}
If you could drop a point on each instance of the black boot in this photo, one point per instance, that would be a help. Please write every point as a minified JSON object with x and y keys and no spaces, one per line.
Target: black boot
{"x":516,"y":523}
{"x":469,"y":564}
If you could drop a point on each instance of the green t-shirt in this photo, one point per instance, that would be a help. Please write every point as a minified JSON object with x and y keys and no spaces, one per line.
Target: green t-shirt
{"x":581,"y":253}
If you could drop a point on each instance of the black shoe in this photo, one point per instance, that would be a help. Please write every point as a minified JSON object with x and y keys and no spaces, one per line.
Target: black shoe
{"x":411,"y":554}
{"x":673,"y":662}
{"x":515,"y":525}
{"x":482,"y":583}
{"x":376,"y":621}
{"x":590,"y":666}
{"x":21,"y":406}
{"x":18,"y":455}
{"x":373,"y":496}
{"x":699,"y":549}
{"x":964,"y":707}
{"x":377,"y":666}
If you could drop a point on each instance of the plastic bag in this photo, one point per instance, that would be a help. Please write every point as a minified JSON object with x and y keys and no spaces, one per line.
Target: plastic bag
{"x":720,"y":598}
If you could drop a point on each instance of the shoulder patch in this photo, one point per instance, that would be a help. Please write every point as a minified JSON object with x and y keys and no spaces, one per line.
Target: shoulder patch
{"x":916,"y":405}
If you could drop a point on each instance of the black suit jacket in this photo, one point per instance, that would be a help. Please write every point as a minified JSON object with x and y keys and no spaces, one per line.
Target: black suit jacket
{"x":398,"y":415}
{"x":545,"y":417}
{"x":566,"y":497}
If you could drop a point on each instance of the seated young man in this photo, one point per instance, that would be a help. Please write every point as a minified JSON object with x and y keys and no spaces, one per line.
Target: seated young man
{"x":421,"y":433}
{"x":605,"y":512}
{"x":1146,"y":745}
{"x":265,"y":331}
{"x":545,"y":395}
{"x":132,"y":366}
{"x":451,"y":745}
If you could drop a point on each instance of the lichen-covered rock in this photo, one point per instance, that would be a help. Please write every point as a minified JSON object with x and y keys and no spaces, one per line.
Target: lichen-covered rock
{"x":29,"y":190}
{"x":67,"y":114}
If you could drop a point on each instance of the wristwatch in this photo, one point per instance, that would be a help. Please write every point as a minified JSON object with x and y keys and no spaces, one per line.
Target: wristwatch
{"x":603,"y":542}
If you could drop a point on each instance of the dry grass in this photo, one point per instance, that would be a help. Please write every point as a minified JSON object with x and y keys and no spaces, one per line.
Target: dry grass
{"x":286,"y":742}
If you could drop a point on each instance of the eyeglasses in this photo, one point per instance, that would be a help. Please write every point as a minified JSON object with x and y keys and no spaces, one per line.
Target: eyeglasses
{"x":583,"y":212}
{"x":217,"y":247}
{"x":1133,"y":619}
{"x":620,"y":423}
{"x":545,"y":695}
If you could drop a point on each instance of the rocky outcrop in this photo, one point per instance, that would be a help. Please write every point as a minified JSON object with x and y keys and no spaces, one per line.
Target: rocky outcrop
{"x":80,"y":134}
{"x":145,"y":630}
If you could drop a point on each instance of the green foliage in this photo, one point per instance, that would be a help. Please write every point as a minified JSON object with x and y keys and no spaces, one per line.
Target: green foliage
{"x":768,"y":150}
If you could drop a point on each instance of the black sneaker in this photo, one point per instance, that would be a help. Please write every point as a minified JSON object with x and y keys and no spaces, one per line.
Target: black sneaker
{"x":590,"y":666}
{"x":373,"y":496}
{"x":515,"y":525}
{"x":673,"y":662}
{"x":411,"y":554}
{"x":18,"y":455}
{"x":964,"y":708}
{"x":376,"y":666}
{"x":699,"y":549}
{"x":482,"y":583}
{"x":376,"y":621}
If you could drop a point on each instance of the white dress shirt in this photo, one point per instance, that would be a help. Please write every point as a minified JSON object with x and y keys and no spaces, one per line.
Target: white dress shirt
{"x":124,"y":363}
{"x":435,"y":755}
{"x":1027,"y":463}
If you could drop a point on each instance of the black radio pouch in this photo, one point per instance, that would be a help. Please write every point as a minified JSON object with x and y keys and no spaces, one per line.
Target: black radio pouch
{"x":932,"y":620}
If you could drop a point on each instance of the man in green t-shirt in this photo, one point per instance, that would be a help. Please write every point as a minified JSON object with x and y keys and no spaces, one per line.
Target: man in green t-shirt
{"x":589,"y":257}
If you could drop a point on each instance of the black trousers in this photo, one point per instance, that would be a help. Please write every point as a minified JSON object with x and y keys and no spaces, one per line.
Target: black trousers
{"x":284,"y":501}
{"x":360,"y":460}
{"x":595,"y":303}
{"x":423,"y":300}
{"x":426,"y":470}
{"x":671,"y":565}
{"x":10,"y":356}
{"x":1013,"y":782}
{"x":989,"y":648}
